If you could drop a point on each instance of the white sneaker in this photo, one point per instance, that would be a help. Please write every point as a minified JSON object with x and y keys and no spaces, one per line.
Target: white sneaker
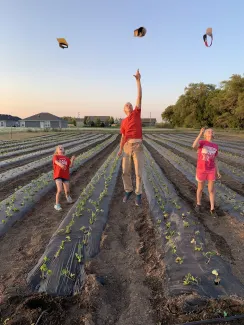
{"x":57,"y":207}
{"x":69,"y":199}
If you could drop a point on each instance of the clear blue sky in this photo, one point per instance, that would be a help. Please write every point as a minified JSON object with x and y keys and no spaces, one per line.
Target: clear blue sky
{"x":94,"y":76}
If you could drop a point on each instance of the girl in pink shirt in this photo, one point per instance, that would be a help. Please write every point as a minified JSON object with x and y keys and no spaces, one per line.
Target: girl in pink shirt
{"x":207,"y":167}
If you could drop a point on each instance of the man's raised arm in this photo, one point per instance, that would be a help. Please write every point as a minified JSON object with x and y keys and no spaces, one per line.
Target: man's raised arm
{"x":139,"y":90}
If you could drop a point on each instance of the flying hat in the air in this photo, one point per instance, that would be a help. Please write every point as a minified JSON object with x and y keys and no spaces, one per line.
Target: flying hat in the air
{"x":205,"y":37}
{"x":140,"y":32}
{"x":62,"y":43}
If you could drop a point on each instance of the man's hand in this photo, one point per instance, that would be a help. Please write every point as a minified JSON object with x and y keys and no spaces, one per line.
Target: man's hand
{"x":218,"y":175}
{"x":137,"y":75}
{"x":119,"y":153}
{"x":62,"y":166}
{"x":73,"y":158}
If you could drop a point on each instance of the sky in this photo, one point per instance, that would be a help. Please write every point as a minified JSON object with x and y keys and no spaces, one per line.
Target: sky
{"x":94,"y":76}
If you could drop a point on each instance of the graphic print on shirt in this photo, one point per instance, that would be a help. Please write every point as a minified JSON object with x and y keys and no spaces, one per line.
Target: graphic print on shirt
{"x":63,"y":161}
{"x":208,"y":153}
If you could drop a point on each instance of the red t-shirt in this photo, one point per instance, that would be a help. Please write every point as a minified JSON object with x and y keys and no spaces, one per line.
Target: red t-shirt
{"x":58,"y":172}
{"x":131,"y":126}
{"x":207,"y":151}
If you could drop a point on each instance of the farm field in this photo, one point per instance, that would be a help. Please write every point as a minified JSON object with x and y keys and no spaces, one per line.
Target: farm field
{"x":99,"y":261}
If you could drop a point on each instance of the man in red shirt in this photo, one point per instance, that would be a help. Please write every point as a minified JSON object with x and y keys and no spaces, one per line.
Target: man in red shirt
{"x":131,"y":144}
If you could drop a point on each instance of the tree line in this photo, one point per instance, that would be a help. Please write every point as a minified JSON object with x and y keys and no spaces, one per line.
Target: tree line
{"x":93,"y":123}
{"x":97,"y":122}
{"x":208,"y":105}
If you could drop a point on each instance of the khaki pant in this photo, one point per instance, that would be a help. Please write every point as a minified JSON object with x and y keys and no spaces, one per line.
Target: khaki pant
{"x":133,"y":151}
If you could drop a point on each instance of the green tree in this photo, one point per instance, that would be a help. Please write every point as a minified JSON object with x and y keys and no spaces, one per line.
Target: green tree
{"x":111,"y":120}
{"x":97,"y":122}
{"x":206,"y":105}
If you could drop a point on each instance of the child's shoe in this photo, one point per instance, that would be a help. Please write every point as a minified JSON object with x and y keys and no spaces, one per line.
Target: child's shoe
{"x":69,"y":199}
{"x":57,"y":207}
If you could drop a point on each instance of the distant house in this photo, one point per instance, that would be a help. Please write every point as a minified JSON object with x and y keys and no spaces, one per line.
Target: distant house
{"x":148,"y":121}
{"x":44,"y":121}
{"x":8,"y":120}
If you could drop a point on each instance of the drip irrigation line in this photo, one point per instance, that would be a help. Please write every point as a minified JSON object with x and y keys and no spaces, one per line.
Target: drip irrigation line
{"x":215,"y":320}
{"x":39,"y":318}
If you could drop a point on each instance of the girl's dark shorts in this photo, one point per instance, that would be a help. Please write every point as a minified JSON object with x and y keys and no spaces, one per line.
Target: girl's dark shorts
{"x":61,"y":179}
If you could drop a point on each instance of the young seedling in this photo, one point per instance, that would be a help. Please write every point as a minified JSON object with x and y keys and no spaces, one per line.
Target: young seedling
{"x":173,"y":249}
{"x":68,"y":274}
{"x":179,"y":260}
{"x":198,"y":248}
{"x":190,"y":279}
{"x":79,"y":257}
{"x":209,"y":255}
{"x":168,"y":224}
{"x":44,"y":269}
{"x":186,"y":224}
{"x":217,"y":278}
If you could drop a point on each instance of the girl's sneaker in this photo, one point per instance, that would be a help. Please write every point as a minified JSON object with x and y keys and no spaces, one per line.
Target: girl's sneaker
{"x":69,"y":199}
{"x":57,"y":207}
{"x":198,"y":208}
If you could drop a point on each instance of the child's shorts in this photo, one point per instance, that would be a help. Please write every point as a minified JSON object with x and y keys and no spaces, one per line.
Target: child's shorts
{"x":206,"y":175}
{"x":63,"y":180}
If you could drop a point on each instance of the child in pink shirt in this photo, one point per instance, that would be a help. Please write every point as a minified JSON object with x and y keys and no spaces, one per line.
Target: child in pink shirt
{"x":207,"y":167}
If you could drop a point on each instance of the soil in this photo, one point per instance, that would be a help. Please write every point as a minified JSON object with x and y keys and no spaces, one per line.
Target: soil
{"x":23,"y":135}
{"x":125,"y":282}
{"x":18,"y":152}
{"x":32,"y":159}
{"x":221,"y":158}
{"x":32,"y":233}
{"x":229,"y":244}
{"x":7,"y":188}
{"x":225,"y":179}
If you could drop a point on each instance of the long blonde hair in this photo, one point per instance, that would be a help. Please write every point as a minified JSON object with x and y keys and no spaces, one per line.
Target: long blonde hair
{"x":213,"y":134}
{"x":56,"y":149}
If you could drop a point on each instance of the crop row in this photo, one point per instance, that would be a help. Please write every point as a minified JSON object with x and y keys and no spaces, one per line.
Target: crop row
{"x":16,"y":205}
{"x":190,"y":265}
{"x":38,"y":152}
{"x":60,"y":270}
{"x":226,"y":143}
{"x":234,"y":172}
{"x":21,"y":146}
{"x":224,"y":156}
{"x":232,"y":155}
{"x":20,"y":171}
{"x":226,"y":198}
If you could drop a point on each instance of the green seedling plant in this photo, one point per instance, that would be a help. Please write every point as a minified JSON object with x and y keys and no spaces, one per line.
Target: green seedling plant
{"x":168,"y":224}
{"x":78,"y":257}
{"x":196,"y":247}
{"x":179,"y":260}
{"x":186,"y":224}
{"x":209,"y":255}
{"x":190,"y":279}
{"x":44,"y":269}
{"x":217,"y":278}
{"x":68,"y":274}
